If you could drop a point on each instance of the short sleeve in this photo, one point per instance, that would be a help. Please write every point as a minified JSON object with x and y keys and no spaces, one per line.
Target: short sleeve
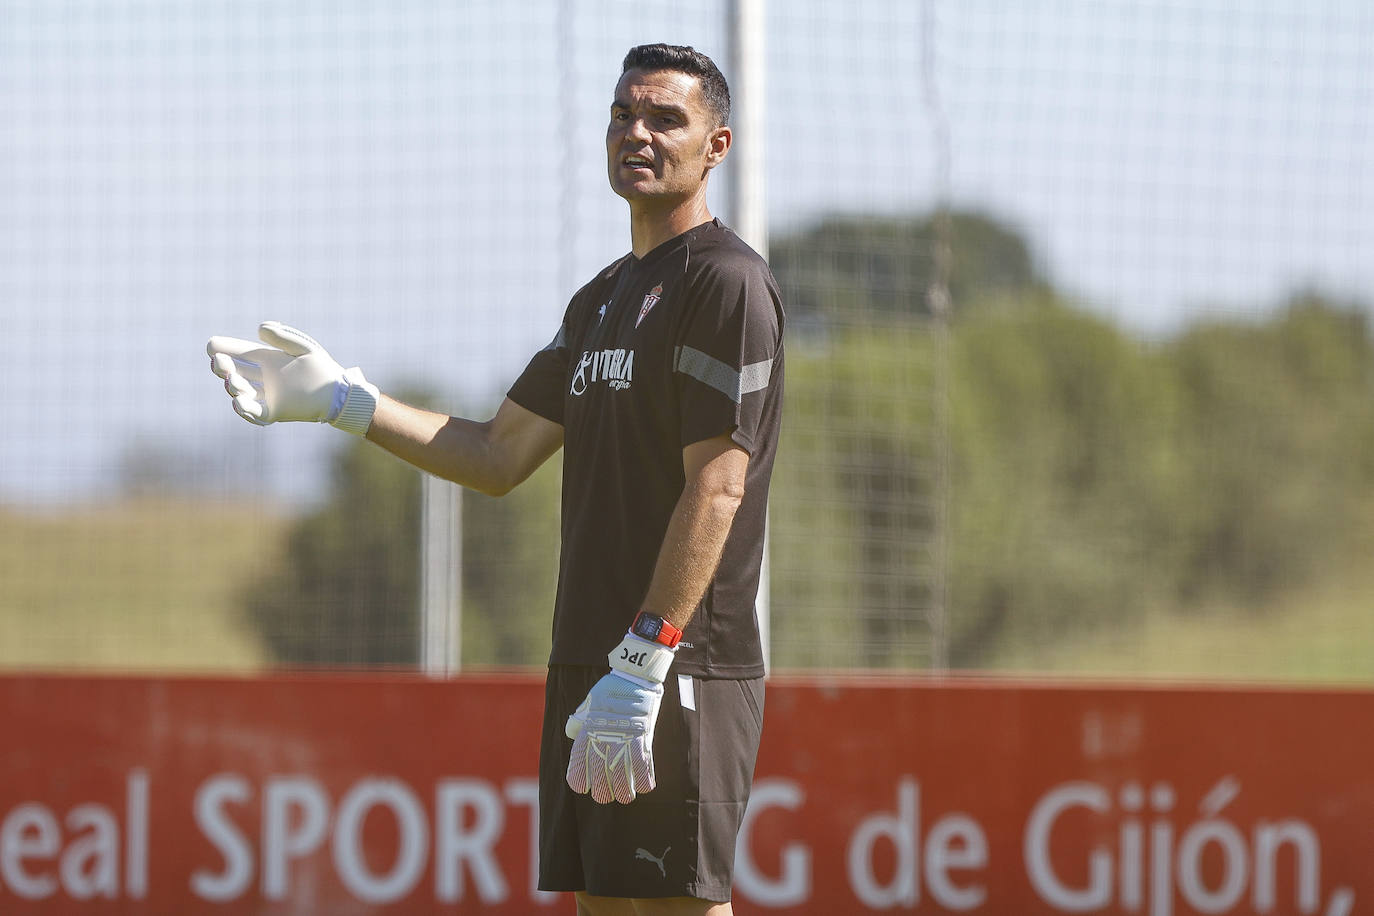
{"x":539,"y":388}
{"x":724,"y":360}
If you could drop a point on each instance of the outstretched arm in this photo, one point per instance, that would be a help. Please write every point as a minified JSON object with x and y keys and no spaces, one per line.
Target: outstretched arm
{"x":290,"y":376}
{"x":491,"y":457}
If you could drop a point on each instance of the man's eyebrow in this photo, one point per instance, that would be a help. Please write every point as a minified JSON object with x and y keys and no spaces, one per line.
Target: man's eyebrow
{"x":660,"y":107}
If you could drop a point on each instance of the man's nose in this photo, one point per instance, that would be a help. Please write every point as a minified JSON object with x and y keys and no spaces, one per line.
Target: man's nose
{"x":637,"y":130}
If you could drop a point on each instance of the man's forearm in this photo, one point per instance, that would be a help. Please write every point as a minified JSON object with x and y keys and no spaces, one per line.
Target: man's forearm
{"x":490,"y":457}
{"x":697,"y":531}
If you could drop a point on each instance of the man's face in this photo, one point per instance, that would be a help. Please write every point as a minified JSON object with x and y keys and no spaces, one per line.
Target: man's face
{"x":662,"y":139}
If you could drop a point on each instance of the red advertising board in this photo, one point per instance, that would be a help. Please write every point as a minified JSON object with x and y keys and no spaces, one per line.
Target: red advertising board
{"x":337,"y":794}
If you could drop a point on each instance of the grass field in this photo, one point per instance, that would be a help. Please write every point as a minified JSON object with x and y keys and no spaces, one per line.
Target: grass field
{"x":1323,"y":634}
{"x":153,"y":586}
{"x":1318,"y":632}
{"x":149,"y":585}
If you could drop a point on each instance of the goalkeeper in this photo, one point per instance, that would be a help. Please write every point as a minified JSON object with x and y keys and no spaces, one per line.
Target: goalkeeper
{"x":663,"y":386}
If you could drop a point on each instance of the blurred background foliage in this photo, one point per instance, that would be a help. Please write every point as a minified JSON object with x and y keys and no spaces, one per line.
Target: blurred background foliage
{"x":346,"y":591}
{"x":1136,"y":444}
{"x":1101,"y":487}
{"x":1096,"y":478}
{"x":1048,"y":491}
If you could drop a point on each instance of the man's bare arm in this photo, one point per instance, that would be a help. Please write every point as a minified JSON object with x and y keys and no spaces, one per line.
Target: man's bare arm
{"x":698,"y":529}
{"x":490,"y":457}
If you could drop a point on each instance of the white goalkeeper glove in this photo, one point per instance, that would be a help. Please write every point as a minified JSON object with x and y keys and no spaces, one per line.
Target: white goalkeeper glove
{"x":613,"y":729}
{"x":292,"y":378}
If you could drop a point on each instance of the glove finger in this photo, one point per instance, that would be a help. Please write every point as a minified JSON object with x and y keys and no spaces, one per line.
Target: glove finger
{"x":577,"y":766}
{"x":620,"y":771}
{"x":238,"y":386}
{"x":250,"y":409}
{"x":226,"y":368}
{"x":645,"y":750}
{"x":231,"y":355}
{"x":232,"y":346}
{"x":222,"y":364}
{"x":573,"y":727}
{"x":285,"y":337}
{"x":642,"y":753}
{"x":600,"y":761}
{"x":623,"y":783}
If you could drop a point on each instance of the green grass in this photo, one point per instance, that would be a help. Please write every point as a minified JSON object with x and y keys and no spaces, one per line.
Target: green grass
{"x":154,"y":586}
{"x":147,"y":585}
{"x":1323,"y":633}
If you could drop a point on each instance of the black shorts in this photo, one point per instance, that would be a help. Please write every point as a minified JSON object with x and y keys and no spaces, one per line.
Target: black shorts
{"x":675,"y":841}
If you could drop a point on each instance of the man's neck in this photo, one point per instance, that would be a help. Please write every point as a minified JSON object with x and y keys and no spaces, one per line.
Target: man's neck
{"x":652,"y":226}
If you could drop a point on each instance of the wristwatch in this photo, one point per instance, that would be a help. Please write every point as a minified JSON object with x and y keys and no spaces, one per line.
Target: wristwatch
{"x":655,"y":629}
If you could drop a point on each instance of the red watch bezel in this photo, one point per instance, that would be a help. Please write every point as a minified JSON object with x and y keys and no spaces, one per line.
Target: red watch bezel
{"x":658,"y":630}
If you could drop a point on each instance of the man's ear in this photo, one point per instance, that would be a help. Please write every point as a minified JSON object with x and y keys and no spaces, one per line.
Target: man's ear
{"x":717,"y":145}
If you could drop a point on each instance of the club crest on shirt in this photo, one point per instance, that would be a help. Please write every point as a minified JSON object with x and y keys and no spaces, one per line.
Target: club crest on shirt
{"x":650,"y":301}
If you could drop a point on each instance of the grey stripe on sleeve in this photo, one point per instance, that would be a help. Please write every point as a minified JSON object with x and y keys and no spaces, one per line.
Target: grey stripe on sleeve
{"x":710,"y":371}
{"x":756,"y":376}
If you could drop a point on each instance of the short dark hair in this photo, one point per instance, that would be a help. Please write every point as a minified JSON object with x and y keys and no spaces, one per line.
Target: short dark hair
{"x":684,"y":59}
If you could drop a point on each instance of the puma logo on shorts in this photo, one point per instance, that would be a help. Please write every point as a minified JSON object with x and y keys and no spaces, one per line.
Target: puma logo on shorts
{"x":657,"y":860}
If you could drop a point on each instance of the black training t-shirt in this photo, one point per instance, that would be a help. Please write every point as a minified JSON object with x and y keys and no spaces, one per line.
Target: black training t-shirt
{"x":653,"y":355}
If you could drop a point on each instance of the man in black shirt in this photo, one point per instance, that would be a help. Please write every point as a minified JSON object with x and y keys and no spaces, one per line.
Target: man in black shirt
{"x":663,"y":386}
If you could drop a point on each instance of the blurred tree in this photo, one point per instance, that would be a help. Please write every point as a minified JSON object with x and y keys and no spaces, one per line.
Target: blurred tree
{"x":1064,"y":470}
{"x":346,"y":592}
{"x":510,"y":571}
{"x":851,"y":504}
{"x":1095,"y":477}
{"x":849,"y":268}
{"x":1277,"y":433}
